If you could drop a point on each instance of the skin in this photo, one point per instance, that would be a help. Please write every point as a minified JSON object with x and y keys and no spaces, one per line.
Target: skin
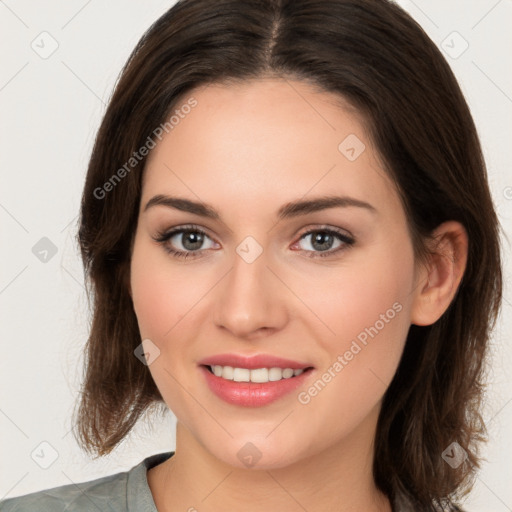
{"x":247,"y":150}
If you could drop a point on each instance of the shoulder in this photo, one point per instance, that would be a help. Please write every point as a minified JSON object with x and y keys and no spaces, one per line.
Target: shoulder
{"x":121,"y":492}
{"x":103,"y":494}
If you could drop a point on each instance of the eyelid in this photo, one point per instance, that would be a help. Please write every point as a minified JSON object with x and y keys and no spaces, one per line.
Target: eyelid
{"x":346,"y":241}
{"x":326,"y":227}
{"x":164,"y":235}
{"x":306,"y":230}
{"x":345,"y":237}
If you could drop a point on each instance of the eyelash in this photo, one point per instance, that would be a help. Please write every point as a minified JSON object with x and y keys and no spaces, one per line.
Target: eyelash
{"x":163,"y":237}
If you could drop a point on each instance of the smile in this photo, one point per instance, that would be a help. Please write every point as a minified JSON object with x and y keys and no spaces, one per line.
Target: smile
{"x":255,"y":387}
{"x":259,"y":375}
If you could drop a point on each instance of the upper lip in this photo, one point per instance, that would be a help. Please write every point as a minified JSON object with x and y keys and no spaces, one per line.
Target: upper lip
{"x":252,"y":362}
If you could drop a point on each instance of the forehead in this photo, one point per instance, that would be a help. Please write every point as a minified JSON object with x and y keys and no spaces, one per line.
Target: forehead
{"x":265,"y":139}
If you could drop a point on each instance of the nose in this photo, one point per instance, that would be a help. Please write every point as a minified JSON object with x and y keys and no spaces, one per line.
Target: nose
{"x":251,"y":300}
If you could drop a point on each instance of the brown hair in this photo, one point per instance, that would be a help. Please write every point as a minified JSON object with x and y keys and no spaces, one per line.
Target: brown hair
{"x":373,"y":55}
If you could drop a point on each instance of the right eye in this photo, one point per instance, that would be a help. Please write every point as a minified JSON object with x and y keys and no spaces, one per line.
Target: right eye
{"x":190,"y":238}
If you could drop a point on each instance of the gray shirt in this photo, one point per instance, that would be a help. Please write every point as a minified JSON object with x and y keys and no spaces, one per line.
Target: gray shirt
{"x":122,"y":492}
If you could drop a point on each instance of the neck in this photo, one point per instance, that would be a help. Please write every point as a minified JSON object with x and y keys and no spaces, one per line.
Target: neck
{"x":337,"y":479}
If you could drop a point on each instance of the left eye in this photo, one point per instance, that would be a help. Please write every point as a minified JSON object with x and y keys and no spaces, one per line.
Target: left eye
{"x":323,"y":240}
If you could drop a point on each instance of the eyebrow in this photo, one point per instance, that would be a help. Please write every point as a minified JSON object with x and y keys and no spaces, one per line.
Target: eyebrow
{"x":289,"y":210}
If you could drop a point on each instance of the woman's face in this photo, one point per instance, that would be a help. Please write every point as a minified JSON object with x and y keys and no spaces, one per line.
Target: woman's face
{"x":330,"y":289}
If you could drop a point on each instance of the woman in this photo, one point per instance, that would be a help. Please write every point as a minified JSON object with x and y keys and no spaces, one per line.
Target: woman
{"x":289,"y":235}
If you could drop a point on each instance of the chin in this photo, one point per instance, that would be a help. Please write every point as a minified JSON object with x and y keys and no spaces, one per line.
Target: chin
{"x":256,"y":454}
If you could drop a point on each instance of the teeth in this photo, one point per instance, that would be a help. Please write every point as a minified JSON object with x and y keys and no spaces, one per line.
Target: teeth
{"x":217,"y":370}
{"x":241,"y":375}
{"x":256,"y":375}
{"x":259,"y":375}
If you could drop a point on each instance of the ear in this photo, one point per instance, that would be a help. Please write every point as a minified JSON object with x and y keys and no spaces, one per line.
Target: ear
{"x":439,"y":278}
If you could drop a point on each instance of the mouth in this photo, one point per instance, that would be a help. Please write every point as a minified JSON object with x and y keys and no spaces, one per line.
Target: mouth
{"x":253,"y":381}
{"x":255,"y":375}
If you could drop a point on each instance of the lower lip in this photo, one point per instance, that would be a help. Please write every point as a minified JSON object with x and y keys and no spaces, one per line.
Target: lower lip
{"x":252,"y":394}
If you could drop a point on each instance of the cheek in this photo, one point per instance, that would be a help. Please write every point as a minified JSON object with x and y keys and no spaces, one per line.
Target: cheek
{"x":150,"y":296}
{"x":160,"y":295}
{"x":368,"y":310}
{"x":372,"y":303}
{"x":365,"y":294}
{"x":161,"y":300}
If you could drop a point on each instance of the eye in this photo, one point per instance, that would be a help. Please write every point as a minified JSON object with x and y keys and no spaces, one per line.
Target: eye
{"x":188,"y":242}
{"x":184,"y":241}
{"x":323,"y":242}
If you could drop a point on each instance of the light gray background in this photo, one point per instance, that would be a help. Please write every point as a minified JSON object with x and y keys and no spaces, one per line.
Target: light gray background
{"x":50,"y":110}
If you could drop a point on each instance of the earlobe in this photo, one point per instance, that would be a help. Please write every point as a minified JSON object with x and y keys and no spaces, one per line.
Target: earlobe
{"x":440,"y":277}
